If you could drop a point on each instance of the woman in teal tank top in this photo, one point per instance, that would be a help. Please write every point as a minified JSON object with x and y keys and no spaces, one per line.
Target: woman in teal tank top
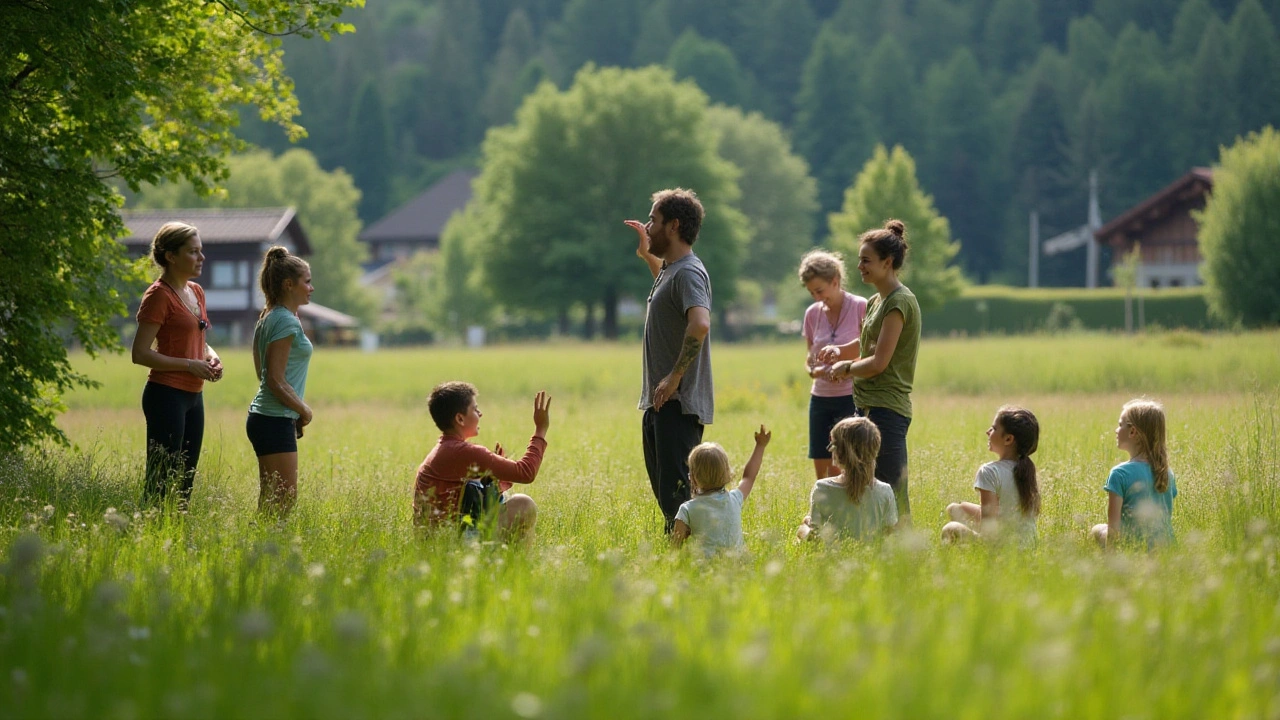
{"x":281,"y":354}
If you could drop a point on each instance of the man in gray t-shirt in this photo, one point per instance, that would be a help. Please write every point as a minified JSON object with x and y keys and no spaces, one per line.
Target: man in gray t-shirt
{"x":677,"y":396}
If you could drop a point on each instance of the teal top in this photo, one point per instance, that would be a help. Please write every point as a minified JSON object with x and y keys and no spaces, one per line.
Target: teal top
{"x":277,"y":325}
{"x":1146,"y":516}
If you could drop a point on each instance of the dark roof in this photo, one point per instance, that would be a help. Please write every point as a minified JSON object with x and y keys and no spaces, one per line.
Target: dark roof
{"x":221,"y":225}
{"x":422,"y":219}
{"x":1194,"y":185}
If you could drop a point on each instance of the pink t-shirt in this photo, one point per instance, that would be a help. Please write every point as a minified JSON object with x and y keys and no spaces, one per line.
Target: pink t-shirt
{"x":819,"y":332}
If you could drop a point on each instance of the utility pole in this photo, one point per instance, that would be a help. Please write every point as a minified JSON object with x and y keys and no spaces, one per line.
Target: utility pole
{"x":1033,"y":252}
{"x":1095,"y":222}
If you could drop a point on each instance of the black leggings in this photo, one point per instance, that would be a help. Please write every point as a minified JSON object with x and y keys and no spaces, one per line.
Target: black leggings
{"x":175,"y":432}
{"x":891,"y":463}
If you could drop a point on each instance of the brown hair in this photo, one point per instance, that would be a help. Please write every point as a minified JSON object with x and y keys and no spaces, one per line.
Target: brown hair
{"x":1025,"y":429}
{"x":889,"y":241}
{"x":278,"y":265}
{"x":819,"y":263}
{"x":683,"y":205}
{"x":855,"y":443}
{"x":1147,"y":417}
{"x":449,"y":399}
{"x":708,"y":467}
{"x":169,"y":239}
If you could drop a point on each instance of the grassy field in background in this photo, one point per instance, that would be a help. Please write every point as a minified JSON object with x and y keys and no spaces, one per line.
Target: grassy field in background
{"x":343,"y":612}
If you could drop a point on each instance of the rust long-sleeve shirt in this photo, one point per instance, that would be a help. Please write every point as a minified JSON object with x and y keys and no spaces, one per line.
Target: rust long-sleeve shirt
{"x":437,"y":493}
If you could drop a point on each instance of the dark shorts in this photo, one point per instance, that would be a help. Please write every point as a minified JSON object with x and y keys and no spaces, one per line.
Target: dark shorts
{"x":824,"y":413}
{"x":271,"y":435}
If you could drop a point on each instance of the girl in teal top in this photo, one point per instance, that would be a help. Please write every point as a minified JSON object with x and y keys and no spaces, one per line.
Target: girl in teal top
{"x":1140,"y":492}
{"x":281,"y":354}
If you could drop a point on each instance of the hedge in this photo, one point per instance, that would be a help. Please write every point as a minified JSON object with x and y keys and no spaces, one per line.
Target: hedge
{"x":1010,"y":310}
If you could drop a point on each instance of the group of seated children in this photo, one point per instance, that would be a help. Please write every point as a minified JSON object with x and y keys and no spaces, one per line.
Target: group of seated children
{"x":459,"y":479}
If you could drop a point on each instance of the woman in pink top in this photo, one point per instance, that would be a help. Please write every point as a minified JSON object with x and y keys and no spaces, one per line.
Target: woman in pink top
{"x":834,"y":318}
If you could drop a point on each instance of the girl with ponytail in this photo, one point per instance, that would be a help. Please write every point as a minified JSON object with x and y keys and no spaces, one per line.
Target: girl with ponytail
{"x":281,"y":355}
{"x":1007,"y":487}
{"x":854,"y":504}
{"x":1140,"y":492}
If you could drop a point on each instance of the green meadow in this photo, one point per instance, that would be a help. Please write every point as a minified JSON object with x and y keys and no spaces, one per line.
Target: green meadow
{"x":110,"y":611}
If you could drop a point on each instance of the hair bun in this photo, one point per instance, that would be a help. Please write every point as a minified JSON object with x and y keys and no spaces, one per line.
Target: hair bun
{"x":277,"y":253}
{"x":897,"y":228}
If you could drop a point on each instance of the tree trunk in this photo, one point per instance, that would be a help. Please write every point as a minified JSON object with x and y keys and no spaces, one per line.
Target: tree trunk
{"x":589,"y":323}
{"x":610,"y":313}
{"x":562,"y":321}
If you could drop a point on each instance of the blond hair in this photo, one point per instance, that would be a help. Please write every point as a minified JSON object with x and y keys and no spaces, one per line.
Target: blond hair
{"x":169,"y":239}
{"x":855,"y":443}
{"x":1147,"y":417}
{"x":278,"y":265}
{"x":819,"y":263}
{"x":708,"y":468}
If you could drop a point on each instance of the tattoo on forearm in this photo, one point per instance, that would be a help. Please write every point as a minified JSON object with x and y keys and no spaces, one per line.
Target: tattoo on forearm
{"x":688,"y":353}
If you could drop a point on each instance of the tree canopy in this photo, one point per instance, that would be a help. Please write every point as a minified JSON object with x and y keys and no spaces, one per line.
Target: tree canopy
{"x":98,"y":92}
{"x":555,"y":187}
{"x":1240,"y":232}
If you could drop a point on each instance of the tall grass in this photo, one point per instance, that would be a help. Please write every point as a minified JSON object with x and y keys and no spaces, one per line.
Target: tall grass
{"x":108,"y":610}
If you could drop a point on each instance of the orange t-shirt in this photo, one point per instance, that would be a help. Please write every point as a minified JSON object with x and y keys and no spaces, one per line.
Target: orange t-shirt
{"x":180,"y":335}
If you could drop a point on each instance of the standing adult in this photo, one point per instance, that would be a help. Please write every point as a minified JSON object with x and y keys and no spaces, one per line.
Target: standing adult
{"x":676,"y":395}
{"x":172,"y":317}
{"x":281,"y":355}
{"x":886,"y":366}
{"x":834,"y":318}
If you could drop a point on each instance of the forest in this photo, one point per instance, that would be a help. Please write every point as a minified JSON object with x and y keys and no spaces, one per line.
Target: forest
{"x":1005,"y":105}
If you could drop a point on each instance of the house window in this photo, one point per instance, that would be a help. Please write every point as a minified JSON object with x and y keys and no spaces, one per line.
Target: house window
{"x":1175,"y":282}
{"x":223,"y":275}
{"x":1155,"y":283}
{"x":229,"y":275}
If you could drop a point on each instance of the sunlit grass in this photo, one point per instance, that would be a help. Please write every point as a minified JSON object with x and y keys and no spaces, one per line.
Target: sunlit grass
{"x":343,"y":612}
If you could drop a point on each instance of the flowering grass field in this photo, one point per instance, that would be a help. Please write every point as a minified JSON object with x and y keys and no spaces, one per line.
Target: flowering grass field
{"x":107,"y":611}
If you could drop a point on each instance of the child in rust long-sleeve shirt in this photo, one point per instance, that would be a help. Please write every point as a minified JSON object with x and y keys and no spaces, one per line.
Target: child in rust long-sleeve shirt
{"x":443,"y":475}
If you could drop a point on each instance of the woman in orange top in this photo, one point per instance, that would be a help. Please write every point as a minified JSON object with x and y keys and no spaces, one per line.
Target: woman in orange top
{"x":172,"y":317}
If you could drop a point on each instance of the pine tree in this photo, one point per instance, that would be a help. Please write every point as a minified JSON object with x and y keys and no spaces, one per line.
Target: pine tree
{"x":960,"y":154}
{"x":1011,"y":36}
{"x":774,"y":44}
{"x":1189,"y":25}
{"x":1255,"y":56}
{"x":712,"y":66}
{"x":830,"y":129}
{"x":516,"y":49}
{"x":369,"y":152}
{"x":1208,"y":102}
{"x":889,"y":100}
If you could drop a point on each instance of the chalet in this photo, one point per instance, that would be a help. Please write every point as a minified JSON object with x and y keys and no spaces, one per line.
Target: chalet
{"x":1167,"y":233}
{"x":417,"y":224}
{"x":234,"y":241}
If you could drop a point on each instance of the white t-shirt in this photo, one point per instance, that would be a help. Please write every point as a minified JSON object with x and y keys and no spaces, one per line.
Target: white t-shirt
{"x":830,"y":506}
{"x":714,"y":520}
{"x":997,"y":477}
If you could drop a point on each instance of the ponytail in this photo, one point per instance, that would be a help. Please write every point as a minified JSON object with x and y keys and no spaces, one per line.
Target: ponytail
{"x":278,"y":265}
{"x":1025,"y":429}
{"x":855,"y":442}
{"x":1147,"y":417}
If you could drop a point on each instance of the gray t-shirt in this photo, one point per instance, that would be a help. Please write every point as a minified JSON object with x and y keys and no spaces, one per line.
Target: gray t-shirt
{"x":833,"y":515}
{"x":681,"y":285}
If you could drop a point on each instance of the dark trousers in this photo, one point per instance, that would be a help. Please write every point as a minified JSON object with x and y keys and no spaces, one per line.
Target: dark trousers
{"x":891,"y":463}
{"x":669,"y":436}
{"x":175,"y":432}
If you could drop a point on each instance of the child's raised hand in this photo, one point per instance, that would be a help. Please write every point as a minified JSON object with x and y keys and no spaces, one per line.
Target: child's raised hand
{"x":499,"y":451}
{"x":541,"y":412}
{"x":763,"y":436}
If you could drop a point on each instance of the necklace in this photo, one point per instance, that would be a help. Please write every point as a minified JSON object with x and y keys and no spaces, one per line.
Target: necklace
{"x":844,"y":307}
